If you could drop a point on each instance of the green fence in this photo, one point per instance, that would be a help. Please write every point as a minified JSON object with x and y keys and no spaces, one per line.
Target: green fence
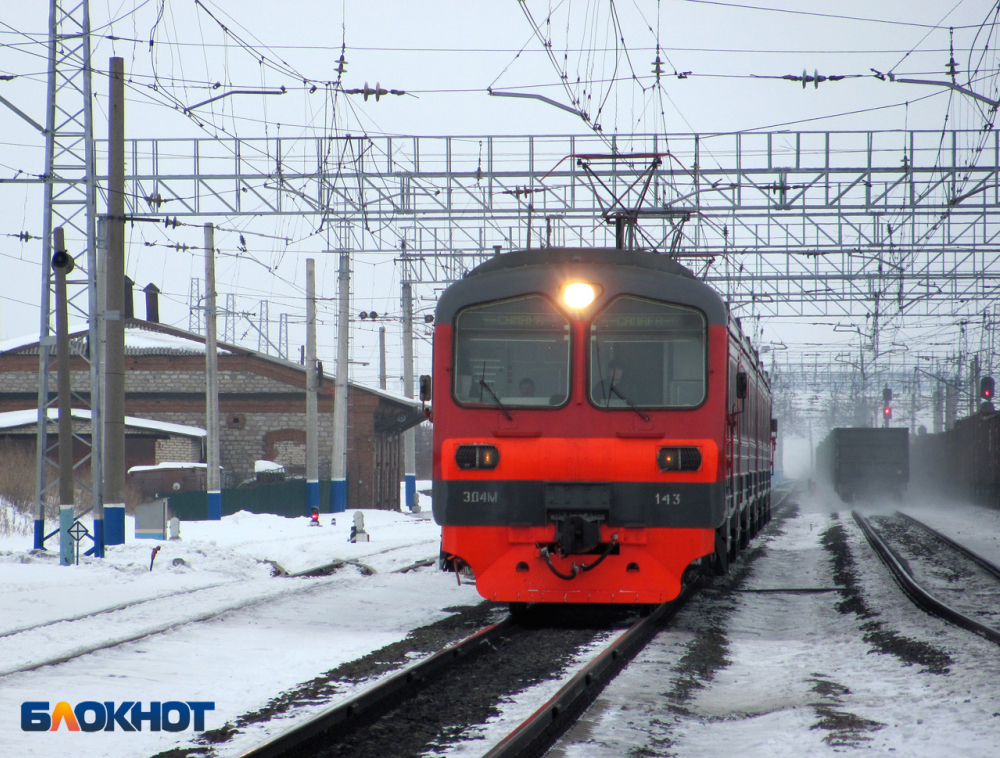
{"x":282,"y":499}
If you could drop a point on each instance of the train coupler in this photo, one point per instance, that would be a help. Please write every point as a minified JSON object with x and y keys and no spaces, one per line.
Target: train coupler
{"x":577,"y":534}
{"x":546,"y":554}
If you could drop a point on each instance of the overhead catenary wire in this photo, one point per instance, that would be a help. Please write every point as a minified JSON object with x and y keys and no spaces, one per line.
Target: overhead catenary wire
{"x":245,"y":122}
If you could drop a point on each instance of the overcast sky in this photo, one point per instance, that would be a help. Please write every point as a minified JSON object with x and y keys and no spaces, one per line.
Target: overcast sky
{"x":446,"y":55}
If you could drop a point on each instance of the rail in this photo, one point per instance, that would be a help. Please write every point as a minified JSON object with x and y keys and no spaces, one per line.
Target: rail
{"x":897,"y":566}
{"x":538,"y":732}
{"x":373,"y":702}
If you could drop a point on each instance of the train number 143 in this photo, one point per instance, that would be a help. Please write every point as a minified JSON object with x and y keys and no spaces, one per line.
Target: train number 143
{"x":668,"y":498}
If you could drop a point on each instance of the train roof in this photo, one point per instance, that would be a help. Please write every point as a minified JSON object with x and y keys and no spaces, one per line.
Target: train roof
{"x":562,"y":255}
{"x":638,"y":272}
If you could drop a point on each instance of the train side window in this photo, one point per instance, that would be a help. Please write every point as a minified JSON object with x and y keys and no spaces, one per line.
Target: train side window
{"x":647,"y":354}
{"x":512,"y":353}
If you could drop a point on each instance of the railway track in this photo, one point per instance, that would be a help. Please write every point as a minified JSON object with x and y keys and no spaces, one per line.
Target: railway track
{"x":535,"y":735}
{"x":542,"y":729}
{"x":941,"y":576}
{"x":369,"y":723}
{"x":65,"y":639}
{"x":408,"y":712}
{"x":356,"y":727}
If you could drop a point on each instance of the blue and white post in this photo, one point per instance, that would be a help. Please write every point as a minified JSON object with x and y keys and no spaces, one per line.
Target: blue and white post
{"x":312,"y":393}
{"x":338,"y":489}
{"x":409,"y":438}
{"x":212,"y":455}
{"x":113,"y":465}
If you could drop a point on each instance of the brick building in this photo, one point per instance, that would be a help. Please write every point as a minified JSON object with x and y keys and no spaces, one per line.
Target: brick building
{"x":262,"y":405}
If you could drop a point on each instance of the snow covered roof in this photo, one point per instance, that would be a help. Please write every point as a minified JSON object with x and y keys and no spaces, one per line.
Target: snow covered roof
{"x":26,"y":340}
{"x":15,"y":419}
{"x":167,"y":466}
{"x":141,"y":338}
{"x":260,"y":467}
{"x":401,"y":399}
{"x":153,"y":338}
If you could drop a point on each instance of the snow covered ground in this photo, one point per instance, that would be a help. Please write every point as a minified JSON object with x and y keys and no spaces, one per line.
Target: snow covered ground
{"x":272,"y":634}
{"x":791,"y":674}
{"x":778,"y":673}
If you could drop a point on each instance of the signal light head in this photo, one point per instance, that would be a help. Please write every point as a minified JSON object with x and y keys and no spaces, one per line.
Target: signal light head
{"x":579,"y":295}
{"x":986,"y":387}
{"x":62,"y":262}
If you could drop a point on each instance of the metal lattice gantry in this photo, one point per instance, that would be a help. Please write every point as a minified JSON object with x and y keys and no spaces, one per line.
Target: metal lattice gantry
{"x":845,"y":389}
{"x":784,"y":223}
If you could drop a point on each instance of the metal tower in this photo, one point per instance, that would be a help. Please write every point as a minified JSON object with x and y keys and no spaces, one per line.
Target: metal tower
{"x":70,"y":202}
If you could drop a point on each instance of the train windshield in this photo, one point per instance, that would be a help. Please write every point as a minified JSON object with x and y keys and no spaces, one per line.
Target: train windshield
{"x":512,"y":353}
{"x":647,"y":354}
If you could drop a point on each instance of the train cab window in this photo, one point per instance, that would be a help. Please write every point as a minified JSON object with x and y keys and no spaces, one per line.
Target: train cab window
{"x":512,"y":353}
{"x":647,"y":354}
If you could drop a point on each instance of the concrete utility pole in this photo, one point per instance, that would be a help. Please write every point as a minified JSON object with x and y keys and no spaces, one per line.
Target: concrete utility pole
{"x":938,"y":409}
{"x":950,"y":405}
{"x":974,"y":375}
{"x":409,"y":438}
{"x":381,"y":357}
{"x":312,"y":399}
{"x":338,"y":494}
{"x":62,"y":265}
{"x":214,"y":483}
{"x":114,"y":373}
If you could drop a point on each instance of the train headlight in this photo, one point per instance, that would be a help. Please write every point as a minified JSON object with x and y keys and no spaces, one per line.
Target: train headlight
{"x":477,"y":457}
{"x":678,"y":459}
{"x":579,"y":295}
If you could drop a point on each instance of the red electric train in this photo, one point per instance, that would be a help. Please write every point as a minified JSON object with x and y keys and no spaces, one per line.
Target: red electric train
{"x":602,"y":427}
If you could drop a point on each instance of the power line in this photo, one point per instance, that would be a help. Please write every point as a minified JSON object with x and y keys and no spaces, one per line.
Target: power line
{"x":817,"y":14}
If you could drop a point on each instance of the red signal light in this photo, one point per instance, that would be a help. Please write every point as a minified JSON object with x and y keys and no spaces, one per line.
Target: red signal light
{"x":314,"y":517}
{"x":887,"y":412}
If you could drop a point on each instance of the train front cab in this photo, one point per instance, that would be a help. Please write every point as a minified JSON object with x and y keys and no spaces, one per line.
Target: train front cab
{"x":567,"y":488}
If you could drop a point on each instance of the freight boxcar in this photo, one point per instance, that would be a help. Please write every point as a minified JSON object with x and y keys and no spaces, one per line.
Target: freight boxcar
{"x":867,"y":462}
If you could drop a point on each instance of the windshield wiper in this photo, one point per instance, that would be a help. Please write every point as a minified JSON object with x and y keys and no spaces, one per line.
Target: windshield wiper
{"x":630,"y":404}
{"x":485,"y":385}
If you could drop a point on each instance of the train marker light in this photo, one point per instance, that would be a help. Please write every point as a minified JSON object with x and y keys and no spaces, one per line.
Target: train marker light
{"x":678,"y":459}
{"x":477,"y":457}
{"x":579,"y":295}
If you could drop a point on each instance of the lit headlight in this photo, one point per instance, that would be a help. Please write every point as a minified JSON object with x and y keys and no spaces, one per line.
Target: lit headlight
{"x":579,"y":295}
